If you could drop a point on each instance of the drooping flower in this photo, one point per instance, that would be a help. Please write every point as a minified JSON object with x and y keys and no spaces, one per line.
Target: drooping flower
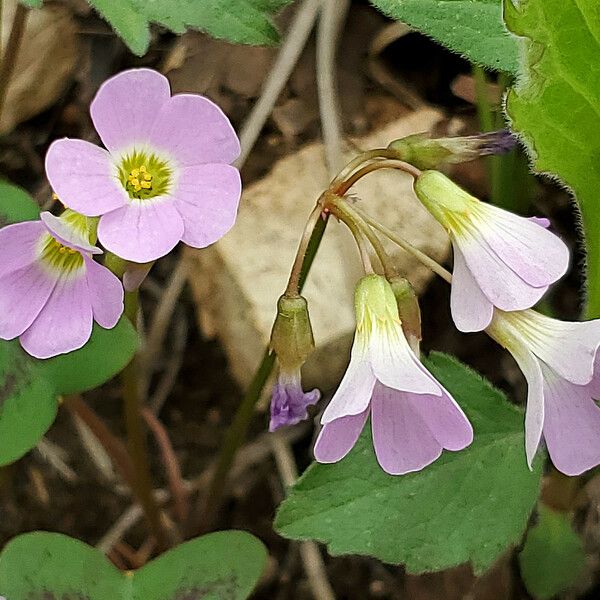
{"x":165,"y":175}
{"x":51,"y":289}
{"x":292,"y":341}
{"x":413,"y":418}
{"x":560,"y":362}
{"x":500,"y":259}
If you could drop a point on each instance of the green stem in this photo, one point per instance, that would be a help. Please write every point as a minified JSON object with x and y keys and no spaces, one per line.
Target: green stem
{"x":237,"y":431}
{"x":136,"y":435}
{"x":13,"y":44}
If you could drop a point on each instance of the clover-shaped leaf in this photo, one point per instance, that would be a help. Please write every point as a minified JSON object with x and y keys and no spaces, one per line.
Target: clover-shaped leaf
{"x":47,"y":566}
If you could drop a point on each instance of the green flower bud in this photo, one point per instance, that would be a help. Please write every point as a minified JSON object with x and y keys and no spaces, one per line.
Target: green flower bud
{"x":292,"y":337}
{"x":426,"y":153}
{"x":409,"y":310}
{"x":374,"y":302}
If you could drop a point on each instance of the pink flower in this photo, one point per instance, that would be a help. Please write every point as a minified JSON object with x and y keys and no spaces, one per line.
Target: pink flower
{"x":166,"y":173}
{"x":289,"y":402}
{"x":500,"y":259}
{"x":413,"y":418}
{"x":51,"y":290}
{"x":560,"y":362}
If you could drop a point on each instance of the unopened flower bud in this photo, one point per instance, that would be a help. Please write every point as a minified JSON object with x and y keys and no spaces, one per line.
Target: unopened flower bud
{"x":409,"y":310}
{"x":292,"y":337}
{"x":426,"y":153}
{"x":292,"y":341}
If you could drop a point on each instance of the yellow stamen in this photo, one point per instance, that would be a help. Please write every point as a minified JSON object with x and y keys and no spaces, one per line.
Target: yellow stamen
{"x":146,"y":185}
{"x":147,"y":177}
{"x":143,"y":169}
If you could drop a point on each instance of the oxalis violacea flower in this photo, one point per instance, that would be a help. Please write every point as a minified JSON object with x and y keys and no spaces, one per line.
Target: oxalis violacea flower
{"x":413,"y":418}
{"x":51,"y":290}
{"x":165,"y":175}
{"x":500,"y":259}
{"x":559,"y":361}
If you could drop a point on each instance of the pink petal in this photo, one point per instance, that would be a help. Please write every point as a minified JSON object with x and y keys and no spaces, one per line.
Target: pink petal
{"x":23,"y":294}
{"x":501,"y":285}
{"x":106,"y":294}
{"x":142,"y":231}
{"x":354,"y":393}
{"x":471,"y":310}
{"x":534,"y":413}
{"x":83,"y":177}
{"x":571,"y":426}
{"x":444,"y":418}
{"x":126,"y":107}
{"x":18,"y":245}
{"x":337,"y":438}
{"x":207,"y":199}
{"x":403,"y":442}
{"x":65,"y":322}
{"x":66,"y":234}
{"x":195,"y":131}
{"x":537,"y":255}
{"x":395,"y":365}
{"x":541,"y":221}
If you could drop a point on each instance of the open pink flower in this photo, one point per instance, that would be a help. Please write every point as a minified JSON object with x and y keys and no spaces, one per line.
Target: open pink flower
{"x":413,"y":418}
{"x":500,"y":259}
{"x":166,"y":173}
{"x":51,"y":290}
{"x":560,"y":362}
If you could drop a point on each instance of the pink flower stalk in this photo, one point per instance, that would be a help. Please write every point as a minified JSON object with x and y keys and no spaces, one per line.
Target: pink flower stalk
{"x":500,"y":259}
{"x":51,"y":290}
{"x":560,"y":362}
{"x":413,"y":418}
{"x":165,"y":175}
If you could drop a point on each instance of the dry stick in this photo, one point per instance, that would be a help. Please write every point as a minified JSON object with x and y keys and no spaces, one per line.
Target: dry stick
{"x":311,"y":557}
{"x":178,"y":491}
{"x":280,"y":73}
{"x":9,"y":58}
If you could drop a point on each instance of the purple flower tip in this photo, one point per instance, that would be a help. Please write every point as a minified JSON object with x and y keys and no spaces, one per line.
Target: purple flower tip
{"x":289,"y":402}
{"x":496,"y":142}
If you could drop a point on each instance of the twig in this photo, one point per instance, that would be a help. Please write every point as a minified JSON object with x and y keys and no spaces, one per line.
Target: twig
{"x":56,"y":456}
{"x":311,"y":557}
{"x":280,"y":73}
{"x":178,"y":491}
{"x":333,"y":16}
{"x":13,"y":44}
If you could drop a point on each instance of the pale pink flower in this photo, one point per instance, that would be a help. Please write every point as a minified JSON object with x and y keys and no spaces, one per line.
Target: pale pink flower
{"x":500,"y":259}
{"x":51,"y":290}
{"x":165,"y":175}
{"x":559,"y":361}
{"x":413,"y":418}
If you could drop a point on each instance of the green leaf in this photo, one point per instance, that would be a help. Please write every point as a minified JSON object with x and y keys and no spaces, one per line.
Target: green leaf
{"x":553,"y":558}
{"x":48,"y":566}
{"x":473,"y":28}
{"x":239,"y":21}
{"x":16,"y":204}
{"x":555,"y":105}
{"x":467,"y":506}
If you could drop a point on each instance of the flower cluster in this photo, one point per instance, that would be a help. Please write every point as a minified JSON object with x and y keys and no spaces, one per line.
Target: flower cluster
{"x":164,"y":177}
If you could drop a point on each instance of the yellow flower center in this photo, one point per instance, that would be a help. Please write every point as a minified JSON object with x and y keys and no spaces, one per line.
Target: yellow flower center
{"x":145,"y":175}
{"x":58,"y":256}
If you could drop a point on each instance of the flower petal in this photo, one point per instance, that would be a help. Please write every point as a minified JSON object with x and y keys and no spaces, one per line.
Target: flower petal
{"x":502,"y":286}
{"x":571,"y":425}
{"x":207,"y":199}
{"x":537,"y":255}
{"x":18,"y":245}
{"x":23,"y":294}
{"x":67,"y":235}
{"x":83,"y":177}
{"x":354,"y":393}
{"x":106,"y":294}
{"x":126,"y":107}
{"x":141,"y":231}
{"x":444,"y":418}
{"x":471,"y":310}
{"x":395,"y":365}
{"x":337,"y":438}
{"x":534,"y":413}
{"x":65,"y":322}
{"x":402,"y":440}
{"x":289,"y":403}
{"x":195,"y":131}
